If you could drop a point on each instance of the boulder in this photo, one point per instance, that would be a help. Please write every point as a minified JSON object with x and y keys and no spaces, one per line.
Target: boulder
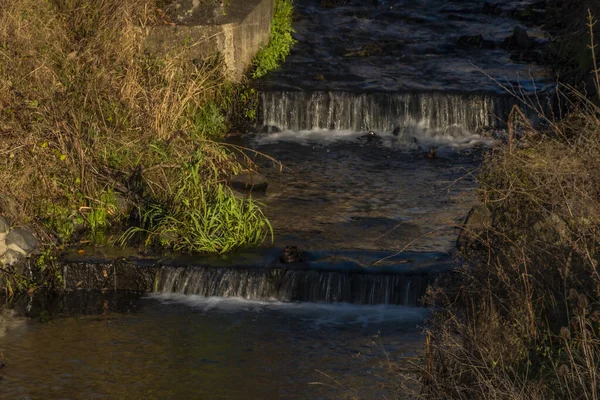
{"x":21,"y":240}
{"x":249,"y":181}
{"x":519,"y":39}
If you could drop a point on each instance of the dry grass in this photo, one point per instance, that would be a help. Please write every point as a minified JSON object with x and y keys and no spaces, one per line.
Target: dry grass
{"x":87,"y":115}
{"x":521,"y":318}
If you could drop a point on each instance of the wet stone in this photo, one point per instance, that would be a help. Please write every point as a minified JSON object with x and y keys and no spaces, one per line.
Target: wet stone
{"x":249,"y":181}
{"x":21,"y":240}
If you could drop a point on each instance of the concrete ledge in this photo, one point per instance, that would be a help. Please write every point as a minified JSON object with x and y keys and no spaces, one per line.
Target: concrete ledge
{"x":236,"y":31}
{"x":110,"y":275}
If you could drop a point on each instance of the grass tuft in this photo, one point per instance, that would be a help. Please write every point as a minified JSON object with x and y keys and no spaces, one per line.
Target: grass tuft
{"x":280,"y":45}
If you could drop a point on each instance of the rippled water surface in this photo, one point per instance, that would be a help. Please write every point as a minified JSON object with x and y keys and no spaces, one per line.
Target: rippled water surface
{"x":338,"y":191}
{"x":412,"y":45}
{"x":187,"y":347}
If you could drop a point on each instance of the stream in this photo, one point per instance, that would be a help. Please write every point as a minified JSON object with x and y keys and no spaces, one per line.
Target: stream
{"x":377,"y":218}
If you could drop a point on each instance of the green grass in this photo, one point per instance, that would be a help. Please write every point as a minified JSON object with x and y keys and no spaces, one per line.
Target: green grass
{"x":203,"y":217}
{"x":89,"y":120}
{"x":271,"y":56}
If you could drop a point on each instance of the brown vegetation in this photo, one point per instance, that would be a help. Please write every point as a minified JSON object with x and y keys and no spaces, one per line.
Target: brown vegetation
{"x":521,"y":318}
{"x":92,"y":126}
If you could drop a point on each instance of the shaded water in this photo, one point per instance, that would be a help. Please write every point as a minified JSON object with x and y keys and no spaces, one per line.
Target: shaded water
{"x":190,"y":347}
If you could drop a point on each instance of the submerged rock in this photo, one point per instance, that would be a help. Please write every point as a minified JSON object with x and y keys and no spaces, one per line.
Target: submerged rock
{"x":249,"y":181}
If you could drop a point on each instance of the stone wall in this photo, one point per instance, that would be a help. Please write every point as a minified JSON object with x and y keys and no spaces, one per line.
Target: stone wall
{"x":236,"y":30}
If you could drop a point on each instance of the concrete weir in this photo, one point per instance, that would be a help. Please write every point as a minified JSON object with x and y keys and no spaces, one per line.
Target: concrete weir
{"x":236,"y":30}
{"x":325,"y":276}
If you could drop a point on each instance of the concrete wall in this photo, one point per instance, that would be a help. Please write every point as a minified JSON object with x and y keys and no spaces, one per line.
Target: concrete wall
{"x":236,"y":31}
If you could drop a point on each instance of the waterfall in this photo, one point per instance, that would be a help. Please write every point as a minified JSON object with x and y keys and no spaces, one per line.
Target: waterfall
{"x":305,"y":110}
{"x":288,"y":285}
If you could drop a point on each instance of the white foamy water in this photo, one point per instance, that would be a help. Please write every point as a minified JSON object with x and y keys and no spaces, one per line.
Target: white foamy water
{"x":410,"y":138}
{"x":316,"y":314}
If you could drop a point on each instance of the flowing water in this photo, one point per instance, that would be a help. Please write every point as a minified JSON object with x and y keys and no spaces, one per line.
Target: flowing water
{"x":376,"y":218}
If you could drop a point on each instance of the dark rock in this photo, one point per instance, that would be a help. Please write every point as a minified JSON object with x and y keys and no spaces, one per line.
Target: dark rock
{"x":519,"y":39}
{"x":22,"y":240}
{"x":249,"y":181}
{"x":292,"y":254}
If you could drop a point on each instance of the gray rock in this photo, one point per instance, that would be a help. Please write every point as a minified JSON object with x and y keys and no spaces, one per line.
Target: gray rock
{"x":4,"y":225}
{"x":249,"y":181}
{"x":11,"y":257}
{"x":21,"y":240}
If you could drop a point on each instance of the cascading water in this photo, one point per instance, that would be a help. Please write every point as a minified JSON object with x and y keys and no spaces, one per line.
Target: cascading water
{"x":291,"y":285}
{"x":383,"y":112}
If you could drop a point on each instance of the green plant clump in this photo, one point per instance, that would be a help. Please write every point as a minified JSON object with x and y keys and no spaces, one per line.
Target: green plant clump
{"x":280,"y":45}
